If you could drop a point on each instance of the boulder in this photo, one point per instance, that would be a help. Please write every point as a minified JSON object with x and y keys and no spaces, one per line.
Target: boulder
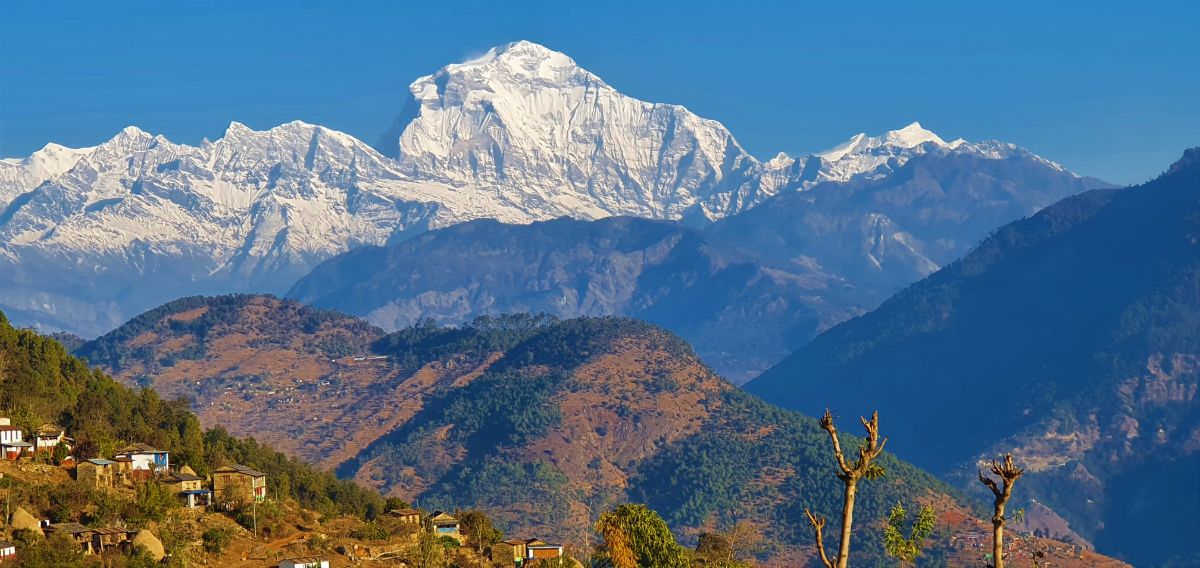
{"x":151,"y":543}
{"x":21,"y":519}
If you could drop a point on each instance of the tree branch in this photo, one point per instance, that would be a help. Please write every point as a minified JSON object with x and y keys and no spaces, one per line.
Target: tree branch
{"x":991,"y":484}
{"x":827,"y":425}
{"x":818,"y":523}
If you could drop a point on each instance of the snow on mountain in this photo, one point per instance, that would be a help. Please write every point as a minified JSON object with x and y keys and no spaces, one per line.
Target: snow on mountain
{"x":526,"y":122}
{"x":90,"y":236}
{"x":138,"y":219}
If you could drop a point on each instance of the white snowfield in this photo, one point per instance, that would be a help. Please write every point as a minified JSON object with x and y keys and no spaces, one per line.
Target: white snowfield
{"x":520,"y":134}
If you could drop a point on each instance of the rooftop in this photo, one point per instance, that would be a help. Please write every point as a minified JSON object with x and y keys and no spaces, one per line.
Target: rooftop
{"x":140,"y":448}
{"x":238,"y":468}
{"x":100,"y":461}
{"x":184,"y":477}
{"x":69,"y":528}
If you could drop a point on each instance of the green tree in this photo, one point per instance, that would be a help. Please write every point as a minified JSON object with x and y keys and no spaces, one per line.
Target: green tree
{"x":154,"y":500}
{"x":58,"y":551}
{"x":215,"y":540}
{"x":636,"y":533}
{"x":907,"y":549}
{"x":478,"y":528}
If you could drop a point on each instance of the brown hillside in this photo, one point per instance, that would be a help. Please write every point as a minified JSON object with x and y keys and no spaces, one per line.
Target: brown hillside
{"x":543,"y":425}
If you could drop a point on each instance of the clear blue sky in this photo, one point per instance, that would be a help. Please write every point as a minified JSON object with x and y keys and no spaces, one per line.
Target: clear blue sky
{"x":1108,"y":90}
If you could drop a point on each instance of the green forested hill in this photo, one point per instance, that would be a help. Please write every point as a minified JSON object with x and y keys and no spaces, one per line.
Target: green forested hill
{"x":541,"y":423}
{"x":579,"y":415}
{"x":1071,"y":338}
{"x":40,"y":382}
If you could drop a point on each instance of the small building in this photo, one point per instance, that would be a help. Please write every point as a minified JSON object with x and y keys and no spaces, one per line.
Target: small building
{"x":543,"y":551}
{"x":444,"y":524}
{"x":236,"y":483}
{"x":96,"y":472}
{"x":509,"y":552}
{"x":304,"y":562}
{"x":8,"y":550}
{"x":78,"y":533}
{"x":49,"y":437}
{"x":110,"y":538}
{"x":189,"y":487}
{"x":407,"y":516}
{"x":144,"y":461}
{"x":12,"y":442}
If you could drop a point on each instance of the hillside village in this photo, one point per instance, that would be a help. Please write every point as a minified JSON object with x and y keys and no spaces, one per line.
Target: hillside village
{"x":223,"y":508}
{"x":226,"y":504}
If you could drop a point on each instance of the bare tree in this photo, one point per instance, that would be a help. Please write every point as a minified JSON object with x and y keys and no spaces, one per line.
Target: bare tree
{"x":1008,"y":474}
{"x":864,"y":466}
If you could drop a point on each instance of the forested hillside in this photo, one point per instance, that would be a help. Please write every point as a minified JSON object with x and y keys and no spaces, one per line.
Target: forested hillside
{"x":542,"y":423}
{"x":1071,"y":338}
{"x":41,"y":383}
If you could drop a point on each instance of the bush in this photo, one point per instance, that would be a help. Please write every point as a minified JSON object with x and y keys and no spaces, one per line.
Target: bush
{"x":371,"y":530}
{"x":154,"y":500}
{"x":215,"y":540}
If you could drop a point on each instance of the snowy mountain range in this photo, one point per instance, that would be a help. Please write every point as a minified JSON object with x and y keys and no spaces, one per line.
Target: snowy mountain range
{"x":92,"y":236}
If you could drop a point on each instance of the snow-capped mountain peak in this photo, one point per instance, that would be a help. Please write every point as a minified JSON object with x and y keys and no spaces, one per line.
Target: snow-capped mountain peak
{"x":526,"y":122}
{"x":908,"y":137}
{"x":522,"y":60}
{"x":519,"y":134}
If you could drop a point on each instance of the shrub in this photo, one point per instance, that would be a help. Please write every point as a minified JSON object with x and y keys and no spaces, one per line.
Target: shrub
{"x":215,"y":540}
{"x":371,"y":530}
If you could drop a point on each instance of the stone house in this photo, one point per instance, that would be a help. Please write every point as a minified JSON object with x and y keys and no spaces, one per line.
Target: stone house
{"x":406,"y":516}
{"x":189,"y":487}
{"x":96,"y":472}
{"x":234,"y":484}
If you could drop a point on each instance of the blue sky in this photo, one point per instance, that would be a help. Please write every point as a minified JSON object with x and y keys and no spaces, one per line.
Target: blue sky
{"x":1108,"y":90}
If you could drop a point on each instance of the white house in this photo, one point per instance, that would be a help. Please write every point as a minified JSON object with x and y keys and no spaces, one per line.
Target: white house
{"x":304,"y":562}
{"x":11,"y":442}
{"x":145,"y":460}
{"x":9,"y":434}
{"x":7,"y":550}
{"x":49,"y":437}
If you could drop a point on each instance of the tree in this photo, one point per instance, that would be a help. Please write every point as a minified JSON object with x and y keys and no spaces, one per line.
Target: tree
{"x":478,"y":527}
{"x":636,"y":537}
{"x":61,"y":451}
{"x":1008,"y":473}
{"x":86,"y":449}
{"x":54,"y":552}
{"x":728,"y":549}
{"x":714,"y":549}
{"x":154,"y":500}
{"x":863,"y":467}
{"x":428,"y":551}
{"x":215,"y":539}
{"x":896,"y":544}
